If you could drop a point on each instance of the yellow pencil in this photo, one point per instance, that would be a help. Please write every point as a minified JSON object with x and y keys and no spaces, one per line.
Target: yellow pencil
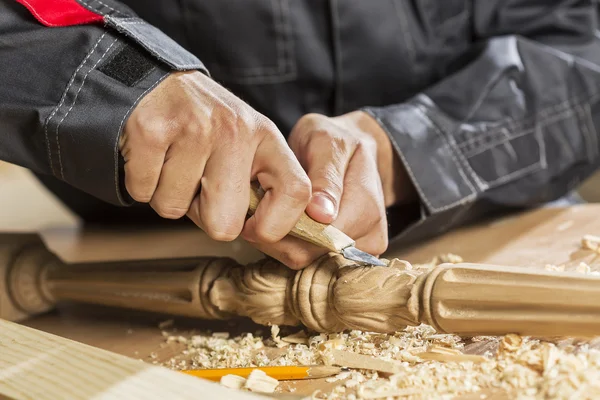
{"x":282,"y":373}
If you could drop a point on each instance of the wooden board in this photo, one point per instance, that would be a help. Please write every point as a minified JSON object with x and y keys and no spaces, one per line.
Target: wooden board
{"x":41,"y":366}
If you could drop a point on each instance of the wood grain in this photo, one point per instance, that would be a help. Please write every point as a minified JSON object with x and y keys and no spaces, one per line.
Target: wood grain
{"x":38,"y":365}
{"x":474,"y":299}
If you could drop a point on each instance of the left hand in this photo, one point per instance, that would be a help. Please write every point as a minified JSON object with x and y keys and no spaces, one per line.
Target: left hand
{"x":355,"y":174}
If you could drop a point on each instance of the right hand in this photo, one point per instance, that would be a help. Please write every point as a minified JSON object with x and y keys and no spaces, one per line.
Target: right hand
{"x":191,"y":133}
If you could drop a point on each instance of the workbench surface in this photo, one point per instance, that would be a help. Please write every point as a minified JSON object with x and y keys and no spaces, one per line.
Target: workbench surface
{"x":531,"y":239}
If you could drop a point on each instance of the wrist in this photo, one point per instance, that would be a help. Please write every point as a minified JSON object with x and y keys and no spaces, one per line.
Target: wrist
{"x":396,"y":185}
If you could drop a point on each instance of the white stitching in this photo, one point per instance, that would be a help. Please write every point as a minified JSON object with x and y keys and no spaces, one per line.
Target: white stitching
{"x":515,"y":174}
{"x":75,"y":101}
{"x":446,"y":142}
{"x":142,"y":42}
{"x":546,"y":113}
{"x":540,"y":124}
{"x":117,"y":12}
{"x":116,"y":146}
{"x":408,"y":168}
{"x":454,"y":150}
{"x":62,"y":100}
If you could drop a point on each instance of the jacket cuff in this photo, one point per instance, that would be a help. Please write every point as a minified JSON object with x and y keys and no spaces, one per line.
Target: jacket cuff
{"x":433,"y":165}
{"x":82,"y":132}
{"x":130,"y":59}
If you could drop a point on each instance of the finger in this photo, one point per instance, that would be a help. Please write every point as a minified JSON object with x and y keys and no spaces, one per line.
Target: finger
{"x":362,"y":212}
{"x":143,"y":163}
{"x":222,"y":205}
{"x":292,"y":252}
{"x":326,"y":158}
{"x":375,"y":243}
{"x":142,"y":172}
{"x":178,"y":183}
{"x":287,"y":192}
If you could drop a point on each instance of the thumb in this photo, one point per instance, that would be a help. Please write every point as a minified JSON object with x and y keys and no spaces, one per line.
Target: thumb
{"x":326,"y":174}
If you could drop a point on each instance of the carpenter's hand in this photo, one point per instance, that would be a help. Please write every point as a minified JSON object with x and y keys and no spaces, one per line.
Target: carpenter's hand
{"x":191,"y":132}
{"x":355,"y":174}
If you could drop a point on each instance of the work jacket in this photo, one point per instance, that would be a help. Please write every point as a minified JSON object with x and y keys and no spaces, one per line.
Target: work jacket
{"x":491,"y":105}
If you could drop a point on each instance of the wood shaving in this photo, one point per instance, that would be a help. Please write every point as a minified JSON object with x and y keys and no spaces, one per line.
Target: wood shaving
{"x":583,"y":268}
{"x":530,"y":368}
{"x":443,"y":354}
{"x":554,"y":268}
{"x":259,"y":381}
{"x":275,"y":336}
{"x":233,"y":381}
{"x":360,"y":361}
{"x":296,"y":338}
{"x":418,"y":362}
{"x":591,"y":242}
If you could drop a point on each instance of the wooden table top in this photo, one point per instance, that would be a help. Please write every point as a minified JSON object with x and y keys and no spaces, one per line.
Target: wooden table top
{"x":531,"y":239}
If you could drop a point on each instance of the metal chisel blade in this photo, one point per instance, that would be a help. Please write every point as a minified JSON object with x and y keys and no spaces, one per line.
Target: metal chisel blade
{"x":354,"y":254}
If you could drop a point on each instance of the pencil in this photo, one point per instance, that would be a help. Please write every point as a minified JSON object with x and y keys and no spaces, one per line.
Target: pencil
{"x":282,"y":373}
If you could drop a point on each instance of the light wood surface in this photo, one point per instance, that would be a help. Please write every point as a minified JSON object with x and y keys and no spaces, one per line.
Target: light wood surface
{"x":532,"y":239}
{"x":41,"y":366}
{"x":485,"y":300}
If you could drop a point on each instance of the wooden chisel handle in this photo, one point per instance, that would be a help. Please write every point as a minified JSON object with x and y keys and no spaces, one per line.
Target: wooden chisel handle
{"x":307,"y":229}
{"x":475,"y":299}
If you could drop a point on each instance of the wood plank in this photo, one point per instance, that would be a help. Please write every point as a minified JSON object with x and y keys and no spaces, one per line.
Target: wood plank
{"x":38,"y":365}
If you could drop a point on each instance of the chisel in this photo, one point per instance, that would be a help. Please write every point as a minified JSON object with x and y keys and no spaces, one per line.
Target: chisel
{"x":322,"y":235}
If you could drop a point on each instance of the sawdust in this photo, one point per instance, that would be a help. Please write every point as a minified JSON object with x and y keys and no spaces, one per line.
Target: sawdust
{"x":426,"y":365}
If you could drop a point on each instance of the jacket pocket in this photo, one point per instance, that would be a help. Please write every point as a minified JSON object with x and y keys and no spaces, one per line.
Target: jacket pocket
{"x":243,"y":42}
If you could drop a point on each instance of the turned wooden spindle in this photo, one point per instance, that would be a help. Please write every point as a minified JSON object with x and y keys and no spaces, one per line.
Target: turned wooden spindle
{"x":330,"y":295}
{"x":472,"y":299}
{"x":36,"y":280}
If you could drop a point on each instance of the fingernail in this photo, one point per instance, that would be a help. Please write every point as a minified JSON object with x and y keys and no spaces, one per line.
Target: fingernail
{"x":324,"y":203}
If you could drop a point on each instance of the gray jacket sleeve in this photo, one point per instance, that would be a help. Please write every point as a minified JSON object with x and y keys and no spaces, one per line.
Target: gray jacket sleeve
{"x":66,"y":92}
{"x":516,"y":125}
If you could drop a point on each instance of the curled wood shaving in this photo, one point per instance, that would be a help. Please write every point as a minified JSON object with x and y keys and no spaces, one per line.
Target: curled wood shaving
{"x":259,"y":381}
{"x":299,"y":337}
{"x":275,"y":336}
